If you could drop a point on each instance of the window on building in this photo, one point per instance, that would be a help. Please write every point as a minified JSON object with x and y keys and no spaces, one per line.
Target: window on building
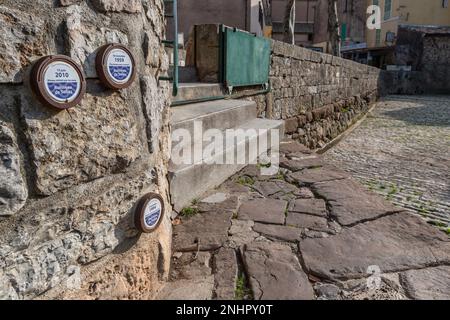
{"x":444,"y":3}
{"x":387,"y":9}
{"x":378,"y":38}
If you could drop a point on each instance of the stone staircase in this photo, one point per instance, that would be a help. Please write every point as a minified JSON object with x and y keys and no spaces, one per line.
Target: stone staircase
{"x":189,"y":181}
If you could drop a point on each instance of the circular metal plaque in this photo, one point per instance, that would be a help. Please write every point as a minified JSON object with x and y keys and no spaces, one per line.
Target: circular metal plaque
{"x":58,"y":81}
{"x":149,"y":213}
{"x":115,"y":66}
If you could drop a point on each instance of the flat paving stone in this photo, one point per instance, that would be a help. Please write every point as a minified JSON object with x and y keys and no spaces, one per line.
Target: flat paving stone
{"x":284,"y":233}
{"x":226,"y":271}
{"x":306,"y":221}
{"x":263,"y":210}
{"x":216,"y":198}
{"x":192,"y":289}
{"x":210,"y":229}
{"x":394,"y":243}
{"x":310,"y":176}
{"x":230,"y":203}
{"x":297,"y":165}
{"x":427,"y":284}
{"x":191,"y":266}
{"x":275,"y":273}
{"x":241,"y":232}
{"x":267,"y":188}
{"x":350,"y":203}
{"x":316,"y":207}
{"x":293,"y":147}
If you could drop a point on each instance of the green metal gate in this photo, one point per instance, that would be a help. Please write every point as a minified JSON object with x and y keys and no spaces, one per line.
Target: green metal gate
{"x":245,"y":58}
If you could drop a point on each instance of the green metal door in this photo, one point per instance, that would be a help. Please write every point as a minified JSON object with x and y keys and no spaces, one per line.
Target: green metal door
{"x":245,"y":58}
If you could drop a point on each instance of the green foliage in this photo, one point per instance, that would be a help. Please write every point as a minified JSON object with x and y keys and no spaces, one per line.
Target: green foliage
{"x":246,"y":181}
{"x":189,"y":211}
{"x":242,"y":291}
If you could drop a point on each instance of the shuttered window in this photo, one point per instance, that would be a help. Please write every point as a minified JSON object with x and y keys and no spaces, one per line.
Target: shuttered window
{"x":387,"y":9}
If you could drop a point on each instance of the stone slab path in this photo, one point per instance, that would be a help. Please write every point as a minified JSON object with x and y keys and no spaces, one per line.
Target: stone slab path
{"x":402,"y":152}
{"x":309,"y":232}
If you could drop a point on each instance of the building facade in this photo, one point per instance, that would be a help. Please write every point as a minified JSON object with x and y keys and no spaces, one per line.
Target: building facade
{"x":352,"y":21}
{"x":247,"y":15}
{"x":406,"y":12}
{"x":395,"y":13}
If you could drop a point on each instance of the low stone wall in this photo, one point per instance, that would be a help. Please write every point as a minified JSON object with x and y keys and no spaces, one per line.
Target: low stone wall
{"x":318,"y":95}
{"x":69,"y":179}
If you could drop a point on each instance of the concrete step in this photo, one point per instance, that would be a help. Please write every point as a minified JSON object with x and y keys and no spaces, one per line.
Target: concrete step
{"x":189,"y":181}
{"x":196,"y":91}
{"x":218,"y":114}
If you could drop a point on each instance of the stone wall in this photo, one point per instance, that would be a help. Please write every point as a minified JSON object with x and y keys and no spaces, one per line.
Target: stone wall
{"x":426,"y":49}
{"x":318,"y":95}
{"x":69,"y":179}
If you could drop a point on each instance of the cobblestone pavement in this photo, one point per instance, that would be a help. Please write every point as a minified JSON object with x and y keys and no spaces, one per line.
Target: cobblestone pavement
{"x":309,"y":232}
{"x":402,"y":151}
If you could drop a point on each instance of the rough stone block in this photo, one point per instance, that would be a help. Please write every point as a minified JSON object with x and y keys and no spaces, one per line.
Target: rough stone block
{"x":87,"y":142}
{"x":13,"y":189}
{"x":84,"y":226}
{"x":84,"y":38}
{"x":23,"y":38}
{"x":129,"y":6}
{"x":291,"y":125}
{"x":275,"y":273}
{"x":263,"y":210}
{"x":226,"y":271}
{"x":66,"y":3}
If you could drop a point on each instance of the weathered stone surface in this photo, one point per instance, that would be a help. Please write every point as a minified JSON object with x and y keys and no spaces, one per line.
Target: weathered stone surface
{"x":310,"y":176}
{"x":327,"y":291}
{"x":194,"y":289}
{"x":350,"y":203}
{"x":86,"y":167}
{"x":208,"y":230}
{"x":263,"y":210}
{"x":275,"y":273}
{"x":230,"y":204}
{"x":297,"y":165}
{"x":216,"y":198}
{"x":130,"y":6}
{"x":316,"y":207}
{"x":307,"y":221}
{"x":241,"y":232}
{"x":394,"y":243}
{"x":65,"y":3}
{"x":13,"y":189}
{"x":285,"y":233}
{"x":427,"y":284}
{"x":225,"y":274}
{"x":384,"y":288}
{"x":83,"y":144}
{"x":84,"y":38}
{"x":22,"y":40}
{"x":192,"y":265}
{"x":154,"y":97}
{"x":293,"y":147}
{"x":48,"y":242}
{"x":7,"y":291}
{"x":266,"y":188}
